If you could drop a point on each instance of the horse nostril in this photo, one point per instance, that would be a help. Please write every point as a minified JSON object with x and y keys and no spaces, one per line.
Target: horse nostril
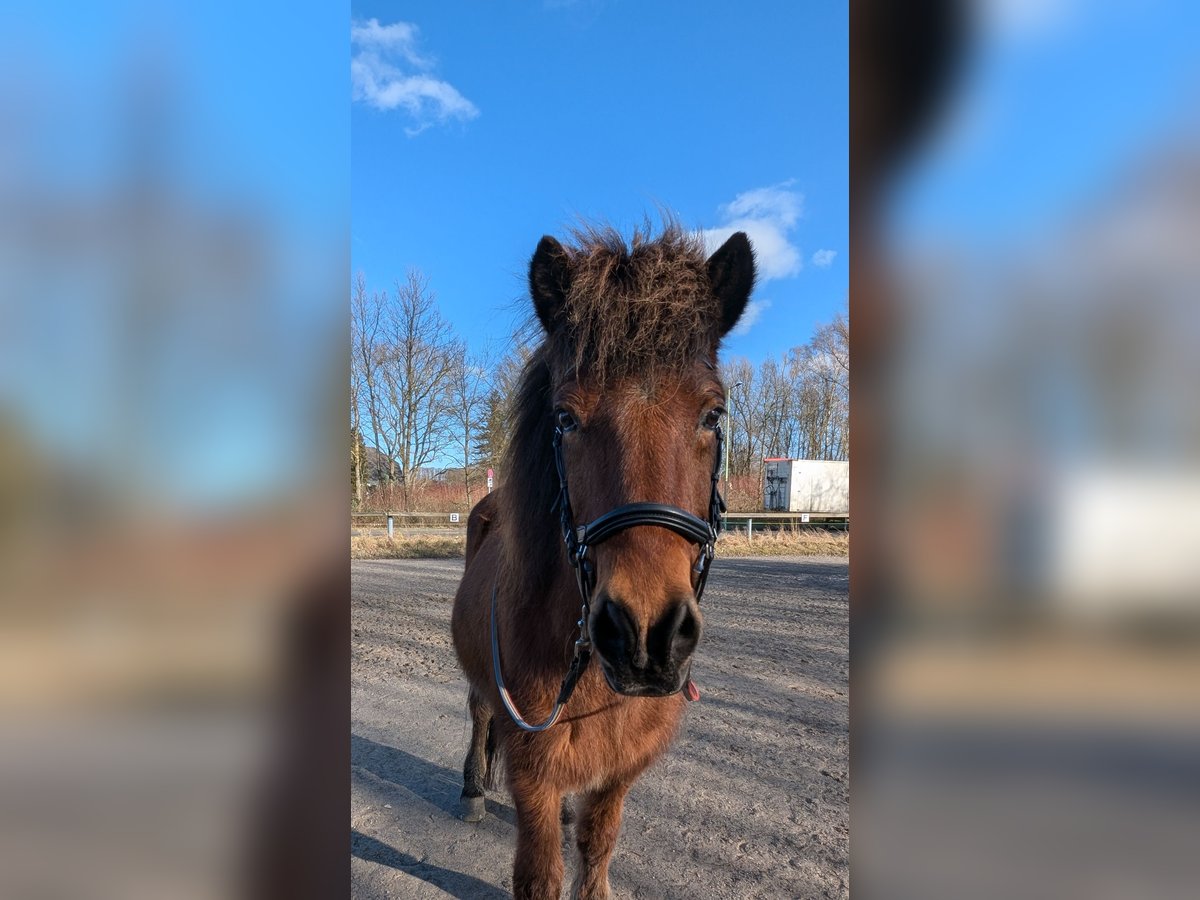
{"x":613,"y":632}
{"x":687,"y":632}
{"x":688,"y":627}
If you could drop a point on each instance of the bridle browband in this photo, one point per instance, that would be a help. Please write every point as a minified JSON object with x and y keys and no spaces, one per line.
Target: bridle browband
{"x":579,"y":539}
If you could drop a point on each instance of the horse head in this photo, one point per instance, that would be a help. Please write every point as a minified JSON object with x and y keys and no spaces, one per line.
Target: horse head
{"x":635,"y":402}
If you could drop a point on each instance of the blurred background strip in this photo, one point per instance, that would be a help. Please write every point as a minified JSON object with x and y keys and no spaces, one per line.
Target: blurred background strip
{"x":1026,"y":573}
{"x":174,"y":222}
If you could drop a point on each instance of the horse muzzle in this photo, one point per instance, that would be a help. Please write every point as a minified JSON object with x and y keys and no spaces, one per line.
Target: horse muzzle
{"x":657,"y":665}
{"x":644,"y":689}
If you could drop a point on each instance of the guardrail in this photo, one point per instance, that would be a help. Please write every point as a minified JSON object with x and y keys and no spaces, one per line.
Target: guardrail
{"x":744,"y":521}
{"x":451,"y":519}
{"x":734,"y":521}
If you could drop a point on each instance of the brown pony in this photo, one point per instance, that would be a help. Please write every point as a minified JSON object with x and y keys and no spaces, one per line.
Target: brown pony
{"x":622,"y":403}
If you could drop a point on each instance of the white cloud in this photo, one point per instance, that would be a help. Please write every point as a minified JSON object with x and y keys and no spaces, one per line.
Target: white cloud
{"x":388,"y":72}
{"x":399,"y":37}
{"x":823,"y":259}
{"x":767,"y":215}
{"x":776,"y":203}
{"x":750,"y":315}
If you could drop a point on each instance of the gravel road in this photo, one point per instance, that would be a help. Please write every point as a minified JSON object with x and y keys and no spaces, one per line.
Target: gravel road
{"x":751,"y":801}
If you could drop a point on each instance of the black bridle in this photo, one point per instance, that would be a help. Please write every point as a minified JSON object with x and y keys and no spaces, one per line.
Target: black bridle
{"x":579,"y":539}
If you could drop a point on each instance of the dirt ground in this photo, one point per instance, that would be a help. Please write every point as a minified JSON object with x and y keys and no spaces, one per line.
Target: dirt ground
{"x":751,"y":801}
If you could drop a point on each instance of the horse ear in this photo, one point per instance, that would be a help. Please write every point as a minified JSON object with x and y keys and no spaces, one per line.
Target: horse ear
{"x":731,"y":274}
{"x":549,"y":281}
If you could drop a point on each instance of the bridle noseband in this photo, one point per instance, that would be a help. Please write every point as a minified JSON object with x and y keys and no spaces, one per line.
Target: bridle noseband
{"x":579,"y":539}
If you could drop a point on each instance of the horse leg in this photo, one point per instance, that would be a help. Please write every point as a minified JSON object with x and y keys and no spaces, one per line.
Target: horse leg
{"x":599,"y":821}
{"x":476,"y":768}
{"x":538,"y":867}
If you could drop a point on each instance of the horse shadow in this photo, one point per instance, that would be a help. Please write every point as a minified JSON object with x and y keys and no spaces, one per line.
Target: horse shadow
{"x":436,"y":785}
{"x":457,"y":884}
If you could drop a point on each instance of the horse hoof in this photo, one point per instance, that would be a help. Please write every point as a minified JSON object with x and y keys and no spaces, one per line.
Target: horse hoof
{"x":472,"y":809}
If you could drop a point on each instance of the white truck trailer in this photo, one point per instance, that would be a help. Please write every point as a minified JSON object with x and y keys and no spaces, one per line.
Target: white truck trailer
{"x":819,"y":487}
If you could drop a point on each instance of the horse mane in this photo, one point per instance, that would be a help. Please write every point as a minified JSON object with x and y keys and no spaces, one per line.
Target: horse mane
{"x":529,"y":512}
{"x":631,"y":309}
{"x":634,"y":308}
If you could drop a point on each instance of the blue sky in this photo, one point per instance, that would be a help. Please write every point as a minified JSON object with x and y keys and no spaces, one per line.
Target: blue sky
{"x":477,"y":128}
{"x":1057,"y":102}
{"x":200,"y":393}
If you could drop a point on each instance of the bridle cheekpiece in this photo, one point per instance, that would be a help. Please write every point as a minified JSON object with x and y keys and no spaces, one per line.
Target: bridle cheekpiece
{"x":579,"y":539}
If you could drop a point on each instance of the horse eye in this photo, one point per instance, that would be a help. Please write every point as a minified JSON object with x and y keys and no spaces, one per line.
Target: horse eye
{"x":713,"y":419}
{"x":565,"y":420}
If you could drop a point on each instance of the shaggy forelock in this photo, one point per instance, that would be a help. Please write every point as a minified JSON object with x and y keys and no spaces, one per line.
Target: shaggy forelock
{"x":634,"y":308}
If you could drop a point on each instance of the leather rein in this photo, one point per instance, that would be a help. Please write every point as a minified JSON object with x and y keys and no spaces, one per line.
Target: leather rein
{"x":579,"y":539}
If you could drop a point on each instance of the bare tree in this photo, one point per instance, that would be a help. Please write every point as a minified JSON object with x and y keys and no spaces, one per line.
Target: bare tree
{"x":796,"y":406}
{"x":367,"y":338}
{"x":832,"y":341}
{"x":358,"y":461}
{"x":417,"y":365}
{"x":470,"y":387}
{"x":777,"y":398}
{"x":828,"y":366}
{"x":501,"y":397}
{"x":745,"y":415}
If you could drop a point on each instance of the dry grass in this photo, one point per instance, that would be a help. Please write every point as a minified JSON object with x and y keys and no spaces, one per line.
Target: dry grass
{"x":801,"y":542}
{"x":408,"y":547}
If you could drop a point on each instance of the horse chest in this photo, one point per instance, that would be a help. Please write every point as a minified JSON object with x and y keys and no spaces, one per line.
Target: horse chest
{"x":600,"y":747}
